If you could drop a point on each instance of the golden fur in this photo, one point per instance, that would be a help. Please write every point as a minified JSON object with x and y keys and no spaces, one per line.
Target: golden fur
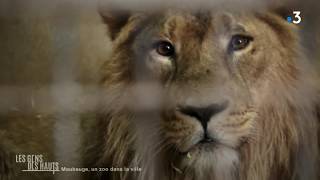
{"x":269,"y":130}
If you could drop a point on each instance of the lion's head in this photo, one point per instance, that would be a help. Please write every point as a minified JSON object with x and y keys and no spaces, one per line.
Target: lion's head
{"x":197,"y":94}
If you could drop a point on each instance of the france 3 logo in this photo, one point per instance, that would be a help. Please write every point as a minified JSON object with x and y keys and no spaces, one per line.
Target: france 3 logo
{"x":296,"y":19}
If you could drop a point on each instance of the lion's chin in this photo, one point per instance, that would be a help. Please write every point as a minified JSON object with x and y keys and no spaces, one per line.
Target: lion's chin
{"x":209,"y":161}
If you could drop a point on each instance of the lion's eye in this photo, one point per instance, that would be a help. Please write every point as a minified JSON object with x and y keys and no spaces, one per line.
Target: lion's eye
{"x":239,"y":42}
{"x":164,"y":48}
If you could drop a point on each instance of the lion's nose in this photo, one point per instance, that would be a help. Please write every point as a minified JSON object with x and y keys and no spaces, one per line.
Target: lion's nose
{"x":203,"y":114}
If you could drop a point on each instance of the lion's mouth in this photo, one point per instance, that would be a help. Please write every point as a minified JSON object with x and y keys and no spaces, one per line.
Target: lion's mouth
{"x":207,"y":144}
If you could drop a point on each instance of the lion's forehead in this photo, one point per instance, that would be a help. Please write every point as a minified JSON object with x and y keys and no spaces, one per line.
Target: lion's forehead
{"x":186,"y":24}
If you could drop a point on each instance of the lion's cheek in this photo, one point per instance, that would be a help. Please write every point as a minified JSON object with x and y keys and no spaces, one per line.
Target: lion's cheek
{"x":233,"y":130}
{"x":182,"y":133}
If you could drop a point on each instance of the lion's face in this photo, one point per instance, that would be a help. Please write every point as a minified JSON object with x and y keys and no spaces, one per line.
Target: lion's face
{"x":201,"y":61}
{"x":214,"y":70}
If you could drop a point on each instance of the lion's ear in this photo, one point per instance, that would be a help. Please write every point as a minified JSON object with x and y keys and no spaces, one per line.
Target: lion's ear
{"x":114,"y":18}
{"x":285,"y":9}
{"x":283,"y":12}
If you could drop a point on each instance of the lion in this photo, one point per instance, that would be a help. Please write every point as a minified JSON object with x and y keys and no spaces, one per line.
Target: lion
{"x":205,"y":94}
